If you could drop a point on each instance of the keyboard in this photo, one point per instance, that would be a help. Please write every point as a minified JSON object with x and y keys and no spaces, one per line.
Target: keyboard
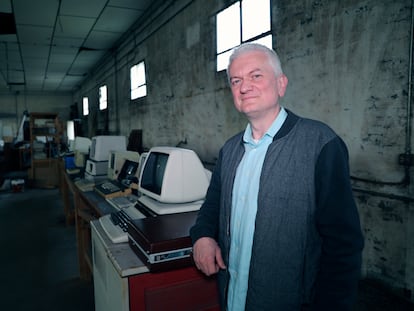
{"x":115,"y":223}
{"x":123,"y":201}
{"x":111,"y":186}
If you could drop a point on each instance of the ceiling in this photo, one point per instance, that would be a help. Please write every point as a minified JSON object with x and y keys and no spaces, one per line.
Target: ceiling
{"x":51,"y":45}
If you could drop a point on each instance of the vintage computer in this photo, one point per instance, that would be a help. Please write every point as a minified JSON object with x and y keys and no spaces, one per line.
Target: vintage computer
{"x":81,"y":146}
{"x":123,"y":184}
{"x":96,"y":168}
{"x":122,"y":174}
{"x":101,"y":145}
{"x":124,"y":204}
{"x":172,"y":186}
{"x":173,"y":180}
{"x":117,"y":159}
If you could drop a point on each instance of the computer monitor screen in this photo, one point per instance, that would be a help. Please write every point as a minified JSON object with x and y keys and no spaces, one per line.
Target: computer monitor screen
{"x":154,"y":172}
{"x":128,"y":172}
{"x":117,"y":159}
{"x":173,"y":175}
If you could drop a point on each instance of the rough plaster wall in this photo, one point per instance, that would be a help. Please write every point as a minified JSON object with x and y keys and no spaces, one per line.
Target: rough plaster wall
{"x":100,"y":122}
{"x":347,"y":63}
{"x":387,"y":226}
{"x":187,"y":100}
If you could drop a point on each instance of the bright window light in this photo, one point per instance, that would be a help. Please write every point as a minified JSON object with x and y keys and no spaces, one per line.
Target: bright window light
{"x":138,"y":81}
{"x":228,"y":28}
{"x":85,"y":105}
{"x":70,"y":129}
{"x":103,"y":97}
{"x":231,"y":30}
{"x":255,"y":17}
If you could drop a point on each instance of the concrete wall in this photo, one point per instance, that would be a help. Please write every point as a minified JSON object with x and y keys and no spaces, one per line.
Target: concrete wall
{"x":359,"y":58}
{"x":348,"y":65}
{"x":187,"y":100}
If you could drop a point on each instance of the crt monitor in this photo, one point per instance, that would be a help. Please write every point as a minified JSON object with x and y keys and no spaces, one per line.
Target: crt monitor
{"x":142,"y":159}
{"x":103,"y":144}
{"x":82,"y":144}
{"x":117,"y":159}
{"x":173,"y":175}
{"x":128,"y":173}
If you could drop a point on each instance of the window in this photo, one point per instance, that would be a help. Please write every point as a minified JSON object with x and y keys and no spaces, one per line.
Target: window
{"x":138,"y":83}
{"x":85,"y":105}
{"x":103,"y":97}
{"x":243,"y":21}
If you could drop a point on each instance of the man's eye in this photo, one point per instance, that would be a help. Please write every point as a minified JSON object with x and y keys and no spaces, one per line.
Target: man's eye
{"x":256,"y":77}
{"x":235,"y":82}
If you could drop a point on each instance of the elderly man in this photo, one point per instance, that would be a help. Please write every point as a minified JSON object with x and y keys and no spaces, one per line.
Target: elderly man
{"x":279,"y":224}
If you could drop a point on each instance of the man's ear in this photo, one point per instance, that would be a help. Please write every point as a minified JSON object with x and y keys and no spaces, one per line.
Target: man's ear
{"x":282,"y":82}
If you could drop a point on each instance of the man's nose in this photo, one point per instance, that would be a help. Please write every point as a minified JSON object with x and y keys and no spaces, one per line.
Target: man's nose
{"x":245,"y":86}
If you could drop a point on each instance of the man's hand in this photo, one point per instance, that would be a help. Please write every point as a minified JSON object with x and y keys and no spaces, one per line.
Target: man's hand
{"x":207,"y":256}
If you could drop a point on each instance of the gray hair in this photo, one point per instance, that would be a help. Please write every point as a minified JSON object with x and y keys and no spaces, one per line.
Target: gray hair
{"x":272,"y":56}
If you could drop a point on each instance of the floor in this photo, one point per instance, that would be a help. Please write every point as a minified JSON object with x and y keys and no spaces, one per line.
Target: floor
{"x":39,"y":261}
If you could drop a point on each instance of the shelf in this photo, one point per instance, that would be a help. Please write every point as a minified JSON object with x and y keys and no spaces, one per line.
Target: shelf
{"x":45,"y":135}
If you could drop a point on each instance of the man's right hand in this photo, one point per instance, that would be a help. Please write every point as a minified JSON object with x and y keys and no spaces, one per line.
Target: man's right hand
{"x":207,"y":256}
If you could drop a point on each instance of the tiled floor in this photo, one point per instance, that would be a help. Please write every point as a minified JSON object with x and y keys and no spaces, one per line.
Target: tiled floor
{"x":39,"y":260}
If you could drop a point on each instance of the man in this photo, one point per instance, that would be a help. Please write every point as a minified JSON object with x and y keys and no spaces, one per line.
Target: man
{"x":279,"y":224}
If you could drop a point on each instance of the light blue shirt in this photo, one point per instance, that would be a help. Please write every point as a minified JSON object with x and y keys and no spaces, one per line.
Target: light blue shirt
{"x":243,"y":213}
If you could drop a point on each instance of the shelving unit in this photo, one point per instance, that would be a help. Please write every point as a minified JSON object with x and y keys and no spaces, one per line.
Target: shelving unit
{"x":45,"y":134}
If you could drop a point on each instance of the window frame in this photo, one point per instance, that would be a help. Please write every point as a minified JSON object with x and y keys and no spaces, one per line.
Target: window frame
{"x":85,"y":105}
{"x":103,"y":102}
{"x":138,"y":87}
{"x":265,"y":37}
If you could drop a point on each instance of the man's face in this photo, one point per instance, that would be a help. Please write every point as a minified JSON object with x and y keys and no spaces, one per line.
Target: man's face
{"x":256,"y":89}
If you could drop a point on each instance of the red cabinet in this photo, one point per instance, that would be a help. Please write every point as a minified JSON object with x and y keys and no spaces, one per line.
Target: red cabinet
{"x":183,"y":289}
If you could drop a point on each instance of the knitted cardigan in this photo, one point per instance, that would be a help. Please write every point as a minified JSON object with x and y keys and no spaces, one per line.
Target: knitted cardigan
{"x":307,"y":244}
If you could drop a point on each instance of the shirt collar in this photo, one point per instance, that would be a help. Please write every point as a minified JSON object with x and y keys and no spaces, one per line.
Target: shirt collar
{"x":272,"y":130}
